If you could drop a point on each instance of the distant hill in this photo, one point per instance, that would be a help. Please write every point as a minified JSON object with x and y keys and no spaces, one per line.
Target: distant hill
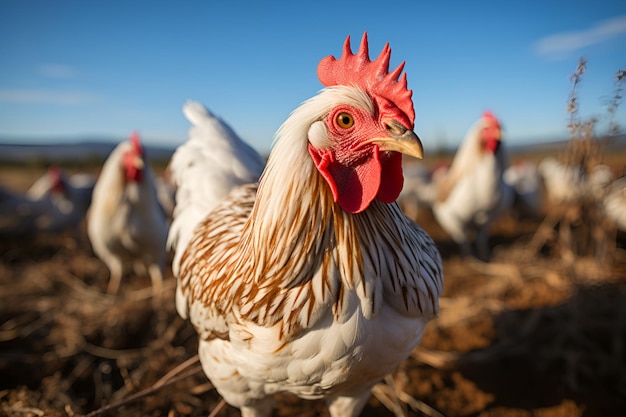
{"x":63,"y":153}
{"x":96,"y":151}
{"x":610,"y":144}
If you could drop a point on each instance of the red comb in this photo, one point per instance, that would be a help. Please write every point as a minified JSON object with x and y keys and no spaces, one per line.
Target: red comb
{"x":372,"y":76}
{"x":54,"y":173}
{"x":490,"y":118}
{"x":134,"y":140}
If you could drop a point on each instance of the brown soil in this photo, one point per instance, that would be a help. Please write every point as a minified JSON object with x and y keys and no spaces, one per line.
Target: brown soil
{"x":525,"y":335}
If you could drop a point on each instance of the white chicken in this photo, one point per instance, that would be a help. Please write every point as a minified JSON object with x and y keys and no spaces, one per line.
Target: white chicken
{"x":419,"y":190}
{"x":70,"y":197}
{"x":525,"y":180}
{"x":615,"y":203}
{"x":126,"y":224}
{"x":563,"y":183}
{"x":472,"y":194}
{"x":53,"y":204}
{"x":166,"y":194}
{"x":312,"y":281}
{"x":50,"y":182}
{"x":212,"y":162}
{"x":21,"y":215}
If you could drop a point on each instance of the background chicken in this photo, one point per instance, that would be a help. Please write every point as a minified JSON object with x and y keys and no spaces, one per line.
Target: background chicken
{"x":563,"y":183}
{"x":472,"y":194}
{"x":615,"y":203}
{"x":54,"y":203}
{"x":22,"y":215}
{"x":419,"y":190}
{"x":166,"y":194}
{"x":50,"y":182}
{"x":312,"y":282}
{"x":126,"y":224}
{"x":204,"y":170}
{"x":70,"y":196}
{"x":526,"y":184}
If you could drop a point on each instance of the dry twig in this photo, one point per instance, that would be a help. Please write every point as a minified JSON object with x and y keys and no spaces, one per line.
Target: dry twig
{"x":168,"y":379}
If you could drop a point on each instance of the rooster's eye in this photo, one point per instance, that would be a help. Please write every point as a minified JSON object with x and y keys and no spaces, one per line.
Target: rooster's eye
{"x":345,"y":120}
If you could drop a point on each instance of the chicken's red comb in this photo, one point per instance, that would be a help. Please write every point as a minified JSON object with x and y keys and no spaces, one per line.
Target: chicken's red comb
{"x":54,"y":171}
{"x":136,"y":142}
{"x":490,"y":118}
{"x":372,"y":76}
{"x":55,"y":176}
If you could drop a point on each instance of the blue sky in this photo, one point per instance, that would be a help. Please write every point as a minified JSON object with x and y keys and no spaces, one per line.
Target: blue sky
{"x":96,"y":68}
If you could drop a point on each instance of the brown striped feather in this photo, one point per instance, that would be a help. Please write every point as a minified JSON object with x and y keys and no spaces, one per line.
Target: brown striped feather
{"x":238,"y":266}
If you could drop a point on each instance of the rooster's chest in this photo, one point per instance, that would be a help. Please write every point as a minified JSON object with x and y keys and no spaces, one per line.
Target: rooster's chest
{"x":335,"y":356}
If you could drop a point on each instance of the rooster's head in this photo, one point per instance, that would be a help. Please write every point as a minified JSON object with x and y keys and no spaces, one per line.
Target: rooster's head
{"x":133,"y":160}
{"x":367,"y":124}
{"x":491,"y":134}
{"x":57,"y":182}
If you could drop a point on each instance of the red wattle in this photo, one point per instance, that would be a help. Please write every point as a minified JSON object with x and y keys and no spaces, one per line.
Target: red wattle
{"x":355,"y":186}
{"x":492,"y":145}
{"x":392,"y":179}
{"x":359,"y":184}
{"x":132,"y":173}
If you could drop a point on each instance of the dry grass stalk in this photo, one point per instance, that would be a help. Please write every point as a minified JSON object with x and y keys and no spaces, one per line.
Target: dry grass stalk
{"x":583,"y":230}
{"x":614,"y":102}
{"x":395,"y":400}
{"x":179,"y":373}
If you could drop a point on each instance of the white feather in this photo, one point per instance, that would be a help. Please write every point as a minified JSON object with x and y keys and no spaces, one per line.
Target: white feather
{"x":212,"y":162}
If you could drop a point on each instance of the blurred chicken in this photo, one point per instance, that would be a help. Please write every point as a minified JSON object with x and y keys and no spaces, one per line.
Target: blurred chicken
{"x":166,"y":195}
{"x":231,"y":162}
{"x":70,"y":195}
{"x":21,"y":215}
{"x":472,"y":194}
{"x":311,"y":282}
{"x":525,"y":181}
{"x":52,"y":181}
{"x":126,"y":224}
{"x":570,"y":184}
{"x":599,"y":180}
{"x":419,"y":190}
{"x":563,"y":183}
{"x":615,"y":203}
{"x":53,"y":204}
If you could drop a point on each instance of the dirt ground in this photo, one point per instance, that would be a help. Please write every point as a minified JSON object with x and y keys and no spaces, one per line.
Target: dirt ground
{"x":527,"y":334}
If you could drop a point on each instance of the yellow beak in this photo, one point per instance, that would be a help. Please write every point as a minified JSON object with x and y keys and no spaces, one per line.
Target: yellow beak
{"x":400,"y":140}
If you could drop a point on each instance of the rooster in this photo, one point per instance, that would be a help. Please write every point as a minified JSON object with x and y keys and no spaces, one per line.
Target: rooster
{"x":313,"y":281}
{"x":472,"y":194}
{"x":126,"y":224}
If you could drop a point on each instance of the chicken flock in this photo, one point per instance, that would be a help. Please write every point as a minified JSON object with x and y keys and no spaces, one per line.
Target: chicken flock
{"x":311,"y":281}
